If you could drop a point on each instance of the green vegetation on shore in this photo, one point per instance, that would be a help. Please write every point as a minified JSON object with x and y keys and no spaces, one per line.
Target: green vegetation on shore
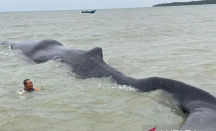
{"x":201,"y":2}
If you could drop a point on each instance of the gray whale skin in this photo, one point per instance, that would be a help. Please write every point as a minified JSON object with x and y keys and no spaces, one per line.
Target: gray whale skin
{"x":198,"y":104}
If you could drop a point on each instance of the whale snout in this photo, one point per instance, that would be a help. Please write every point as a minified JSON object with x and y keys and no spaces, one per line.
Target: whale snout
{"x":7,"y":43}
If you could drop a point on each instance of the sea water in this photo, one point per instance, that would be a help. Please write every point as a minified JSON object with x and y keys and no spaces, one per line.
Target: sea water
{"x":171,"y":42}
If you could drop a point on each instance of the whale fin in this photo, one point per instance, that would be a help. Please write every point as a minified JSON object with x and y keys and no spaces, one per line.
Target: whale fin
{"x":96,"y":53}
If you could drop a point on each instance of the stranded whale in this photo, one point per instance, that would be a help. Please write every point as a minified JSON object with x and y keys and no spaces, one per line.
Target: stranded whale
{"x":199,"y":104}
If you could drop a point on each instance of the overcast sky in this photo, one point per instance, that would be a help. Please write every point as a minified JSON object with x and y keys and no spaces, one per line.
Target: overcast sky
{"x":44,"y":5}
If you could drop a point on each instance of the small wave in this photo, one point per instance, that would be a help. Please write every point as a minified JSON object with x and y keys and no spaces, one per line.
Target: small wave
{"x":21,"y":25}
{"x":21,"y":94}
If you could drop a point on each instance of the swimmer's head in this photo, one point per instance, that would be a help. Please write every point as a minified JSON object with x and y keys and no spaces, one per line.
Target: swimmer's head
{"x":28,"y":84}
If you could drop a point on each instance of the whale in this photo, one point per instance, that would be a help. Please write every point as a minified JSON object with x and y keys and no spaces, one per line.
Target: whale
{"x":197,"y":103}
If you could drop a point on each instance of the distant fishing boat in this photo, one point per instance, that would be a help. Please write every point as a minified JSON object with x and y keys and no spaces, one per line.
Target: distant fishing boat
{"x":86,"y":11}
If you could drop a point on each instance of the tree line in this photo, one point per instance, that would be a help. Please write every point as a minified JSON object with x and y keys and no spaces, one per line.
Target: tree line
{"x":201,"y":2}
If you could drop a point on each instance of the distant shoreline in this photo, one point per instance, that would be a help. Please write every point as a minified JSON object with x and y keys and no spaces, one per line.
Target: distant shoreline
{"x":201,"y":2}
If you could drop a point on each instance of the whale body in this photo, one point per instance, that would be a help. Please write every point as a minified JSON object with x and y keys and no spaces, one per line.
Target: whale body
{"x":198,"y":104}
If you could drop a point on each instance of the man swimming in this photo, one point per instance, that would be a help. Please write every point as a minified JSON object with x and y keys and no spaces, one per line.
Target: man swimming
{"x":28,"y":86}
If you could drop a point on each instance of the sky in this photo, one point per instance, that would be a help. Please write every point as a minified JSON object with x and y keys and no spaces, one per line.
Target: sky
{"x":46,"y":5}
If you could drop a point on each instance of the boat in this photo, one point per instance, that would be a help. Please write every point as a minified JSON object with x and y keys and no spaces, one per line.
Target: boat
{"x":86,"y":11}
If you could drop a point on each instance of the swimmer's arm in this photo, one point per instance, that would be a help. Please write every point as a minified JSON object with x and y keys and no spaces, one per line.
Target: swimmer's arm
{"x":36,"y":89}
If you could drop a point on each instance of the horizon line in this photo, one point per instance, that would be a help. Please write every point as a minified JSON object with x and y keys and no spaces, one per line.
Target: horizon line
{"x":74,"y":9}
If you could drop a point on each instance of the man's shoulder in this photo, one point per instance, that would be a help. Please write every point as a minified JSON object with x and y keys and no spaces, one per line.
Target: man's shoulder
{"x":36,"y":89}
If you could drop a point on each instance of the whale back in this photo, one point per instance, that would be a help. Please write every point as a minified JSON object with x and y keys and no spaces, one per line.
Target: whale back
{"x":89,"y":64}
{"x":30,"y":47}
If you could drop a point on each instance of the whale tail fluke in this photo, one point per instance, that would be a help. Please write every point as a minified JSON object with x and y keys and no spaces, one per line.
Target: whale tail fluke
{"x":202,"y":119}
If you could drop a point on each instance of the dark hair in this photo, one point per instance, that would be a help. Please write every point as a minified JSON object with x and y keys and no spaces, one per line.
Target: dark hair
{"x":24,"y":82}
